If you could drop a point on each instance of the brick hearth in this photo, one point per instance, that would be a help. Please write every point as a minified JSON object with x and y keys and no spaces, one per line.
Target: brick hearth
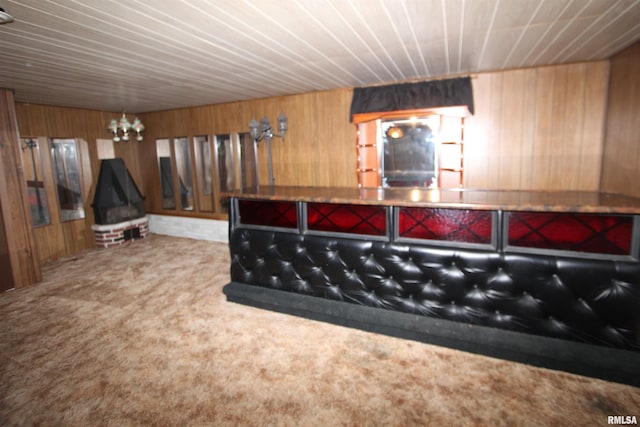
{"x":113,"y":235}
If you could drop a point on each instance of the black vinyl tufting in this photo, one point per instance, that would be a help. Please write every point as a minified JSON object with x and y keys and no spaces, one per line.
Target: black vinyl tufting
{"x":585,"y":300}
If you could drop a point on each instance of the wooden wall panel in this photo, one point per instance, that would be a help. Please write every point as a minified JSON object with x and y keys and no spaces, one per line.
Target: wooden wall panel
{"x":6,"y":271}
{"x":537,"y":129}
{"x":62,"y":239}
{"x":50,"y":238}
{"x":20,"y":241}
{"x":318,"y":149}
{"x":621,"y":158}
{"x":50,"y":242}
{"x":89,"y":125}
{"x":592,"y":129}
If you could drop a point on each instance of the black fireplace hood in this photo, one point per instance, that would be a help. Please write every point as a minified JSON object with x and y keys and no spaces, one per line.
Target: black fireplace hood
{"x":117,"y":198}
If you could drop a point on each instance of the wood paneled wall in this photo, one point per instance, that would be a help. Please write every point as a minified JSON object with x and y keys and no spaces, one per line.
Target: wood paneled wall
{"x":90,"y":125}
{"x":319,"y":147}
{"x":621,"y":159}
{"x":6,"y":271}
{"x":66,"y":238}
{"x":537,"y":129}
{"x":20,"y":244}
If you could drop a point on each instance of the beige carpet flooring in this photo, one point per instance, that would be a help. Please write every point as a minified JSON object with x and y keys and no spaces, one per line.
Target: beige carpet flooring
{"x":143,"y":335}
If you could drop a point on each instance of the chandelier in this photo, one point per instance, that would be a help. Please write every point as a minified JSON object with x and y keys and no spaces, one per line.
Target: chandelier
{"x":5,"y":18}
{"x":121,"y":128}
{"x":262,"y":131}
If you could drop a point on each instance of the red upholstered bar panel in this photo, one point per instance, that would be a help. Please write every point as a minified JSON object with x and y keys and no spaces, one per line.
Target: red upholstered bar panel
{"x":454,"y":225}
{"x":342,"y":218}
{"x":603,"y":234}
{"x":271,"y":214}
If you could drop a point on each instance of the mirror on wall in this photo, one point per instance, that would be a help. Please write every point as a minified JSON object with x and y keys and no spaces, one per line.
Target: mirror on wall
{"x":204,"y":173}
{"x":416,"y":148}
{"x":410,"y":152}
{"x":36,"y":193}
{"x":163,"y":153}
{"x":248,"y":160}
{"x":225,"y":161}
{"x":66,"y":169}
{"x":185,"y":177}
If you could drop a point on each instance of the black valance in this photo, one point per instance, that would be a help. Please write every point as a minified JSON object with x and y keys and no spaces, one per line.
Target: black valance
{"x":413,"y":96}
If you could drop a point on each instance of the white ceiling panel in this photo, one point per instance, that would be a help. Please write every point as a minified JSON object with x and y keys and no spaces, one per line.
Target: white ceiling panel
{"x":147,"y":55}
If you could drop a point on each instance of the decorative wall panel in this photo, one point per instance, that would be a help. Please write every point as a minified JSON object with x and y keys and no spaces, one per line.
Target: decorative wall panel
{"x":272,"y":214}
{"x":339,"y":218}
{"x":454,"y":225}
{"x":603,"y":234}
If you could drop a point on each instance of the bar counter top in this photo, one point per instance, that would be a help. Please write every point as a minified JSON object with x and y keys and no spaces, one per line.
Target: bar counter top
{"x":508,"y":200}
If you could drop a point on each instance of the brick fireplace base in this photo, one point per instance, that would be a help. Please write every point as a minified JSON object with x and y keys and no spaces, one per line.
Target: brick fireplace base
{"x":113,"y":235}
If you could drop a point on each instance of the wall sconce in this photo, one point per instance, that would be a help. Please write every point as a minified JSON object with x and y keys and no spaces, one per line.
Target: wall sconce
{"x":120,"y":129}
{"x":262,"y":131}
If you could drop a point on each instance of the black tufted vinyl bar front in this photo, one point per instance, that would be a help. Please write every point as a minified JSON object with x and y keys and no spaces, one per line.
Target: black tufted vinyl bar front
{"x":595,"y":301}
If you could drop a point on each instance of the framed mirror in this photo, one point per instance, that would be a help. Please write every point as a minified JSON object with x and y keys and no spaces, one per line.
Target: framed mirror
{"x":163,"y":153}
{"x":225,"y":161}
{"x":414,"y":148}
{"x":36,"y":193}
{"x":410,"y":151}
{"x":248,"y":160}
{"x":67,"y":174}
{"x":185,"y":177}
{"x":204,"y":173}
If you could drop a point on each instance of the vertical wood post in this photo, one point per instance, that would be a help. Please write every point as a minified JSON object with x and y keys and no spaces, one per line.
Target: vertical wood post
{"x":16,"y":217}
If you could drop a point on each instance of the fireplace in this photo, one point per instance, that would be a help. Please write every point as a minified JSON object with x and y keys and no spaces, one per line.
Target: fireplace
{"x":118,"y":206}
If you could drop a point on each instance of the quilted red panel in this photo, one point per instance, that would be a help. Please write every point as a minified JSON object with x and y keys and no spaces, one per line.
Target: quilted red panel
{"x":270,"y":214}
{"x":342,"y":218}
{"x":454,"y":225}
{"x":604,"y":234}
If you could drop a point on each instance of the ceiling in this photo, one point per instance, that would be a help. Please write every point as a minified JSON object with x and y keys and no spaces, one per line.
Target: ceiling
{"x":148,"y":55}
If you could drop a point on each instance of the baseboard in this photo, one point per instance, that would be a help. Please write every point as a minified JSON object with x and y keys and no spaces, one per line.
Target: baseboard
{"x":606,"y":363}
{"x":193,"y":228}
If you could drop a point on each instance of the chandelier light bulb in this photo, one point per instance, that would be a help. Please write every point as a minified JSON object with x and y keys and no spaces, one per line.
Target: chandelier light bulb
{"x":283,"y":124}
{"x":120,"y":129}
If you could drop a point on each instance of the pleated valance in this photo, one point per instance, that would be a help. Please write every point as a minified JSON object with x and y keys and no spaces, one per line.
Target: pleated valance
{"x":413,"y":96}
